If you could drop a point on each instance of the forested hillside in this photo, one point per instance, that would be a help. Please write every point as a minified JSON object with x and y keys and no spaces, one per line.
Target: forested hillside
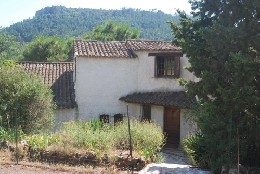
{"x":62,"y":21}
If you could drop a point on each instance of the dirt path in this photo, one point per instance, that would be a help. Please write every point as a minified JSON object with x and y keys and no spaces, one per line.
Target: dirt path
{"x":46,"y":169}
{"x":20,"y":169}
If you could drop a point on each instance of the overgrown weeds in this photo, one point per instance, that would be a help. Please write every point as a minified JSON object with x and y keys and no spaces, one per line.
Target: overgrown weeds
{"x":94,"y":140}
{"x":147,"y":138}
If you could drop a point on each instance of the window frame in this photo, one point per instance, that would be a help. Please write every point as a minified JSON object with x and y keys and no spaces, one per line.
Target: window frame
{"x":175,"y":68}
{"x":165,"y":66}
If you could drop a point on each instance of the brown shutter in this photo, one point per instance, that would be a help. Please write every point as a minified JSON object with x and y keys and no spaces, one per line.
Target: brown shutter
{"x":177,"y":67}
{"x":155,"y":66}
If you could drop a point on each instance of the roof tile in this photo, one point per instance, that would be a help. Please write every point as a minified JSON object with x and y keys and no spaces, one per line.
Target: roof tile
{"x":59,"y":76}
{"x":122,"y":49}
{"x":171,"y":98}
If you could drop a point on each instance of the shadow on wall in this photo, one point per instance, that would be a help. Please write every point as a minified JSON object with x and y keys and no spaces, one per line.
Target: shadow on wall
{"x":64,"y":92}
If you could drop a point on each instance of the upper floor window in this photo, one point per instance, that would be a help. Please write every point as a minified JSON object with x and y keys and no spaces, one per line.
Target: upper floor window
{"x":166,"y":64}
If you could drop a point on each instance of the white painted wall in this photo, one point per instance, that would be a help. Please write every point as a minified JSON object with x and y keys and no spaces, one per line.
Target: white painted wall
{"x":64,"y":115}
{"x":187,"y":126}
{"x":157,"y":114}
{"x":100,"y":82}
{"x":146,"y":79}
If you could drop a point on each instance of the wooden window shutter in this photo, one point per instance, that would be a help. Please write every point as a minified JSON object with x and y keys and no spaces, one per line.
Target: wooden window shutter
{"x":177,"y":67}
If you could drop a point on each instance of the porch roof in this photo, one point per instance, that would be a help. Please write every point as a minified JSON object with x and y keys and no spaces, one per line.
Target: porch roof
{"x":169,"y":98}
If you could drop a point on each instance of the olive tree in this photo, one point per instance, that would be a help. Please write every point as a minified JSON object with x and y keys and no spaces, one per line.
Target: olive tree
{"x":24,"y":100}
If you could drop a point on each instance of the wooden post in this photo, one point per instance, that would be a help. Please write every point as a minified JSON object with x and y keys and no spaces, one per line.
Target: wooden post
{"x":237,"y":151}
{"x":130,"y":138}
{"x":16,"y":133}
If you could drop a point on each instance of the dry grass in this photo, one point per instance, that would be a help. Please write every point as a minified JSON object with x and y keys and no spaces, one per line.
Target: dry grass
{"x":6,"y":159}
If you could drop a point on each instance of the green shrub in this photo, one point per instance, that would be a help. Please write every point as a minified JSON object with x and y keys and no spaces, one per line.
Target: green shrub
{"x":147,"y":138}
{"x":24,"y":99}
{"x":92,"y":135}
{"x":41,"y":141}
{"x":9,"y":134}
{"x":195,"y":149}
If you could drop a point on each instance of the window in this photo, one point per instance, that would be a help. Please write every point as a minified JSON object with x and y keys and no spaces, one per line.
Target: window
{"x":167,"y":66}
{"x":146,"y":113}
{"x":104,"y":118}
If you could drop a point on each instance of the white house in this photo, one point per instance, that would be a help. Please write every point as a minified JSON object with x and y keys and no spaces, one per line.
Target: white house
{"x":141,"y":74}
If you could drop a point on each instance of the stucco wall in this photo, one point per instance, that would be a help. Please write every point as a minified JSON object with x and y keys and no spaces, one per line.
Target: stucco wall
{"x":100,"y":82}
{"x":63,"y":115}
{"x":146,"y":79}
{"x":157,"y":113}
{"x":187,"y":126}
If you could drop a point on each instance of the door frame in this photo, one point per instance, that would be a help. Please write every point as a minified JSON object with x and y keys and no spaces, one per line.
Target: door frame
{"x":179,"y":120}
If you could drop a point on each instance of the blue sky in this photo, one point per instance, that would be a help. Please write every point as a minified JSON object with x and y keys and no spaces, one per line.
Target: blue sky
{"x":12,"y":11}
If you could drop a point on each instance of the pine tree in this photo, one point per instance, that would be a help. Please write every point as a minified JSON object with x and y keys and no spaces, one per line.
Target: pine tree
{"x":222,"y":41}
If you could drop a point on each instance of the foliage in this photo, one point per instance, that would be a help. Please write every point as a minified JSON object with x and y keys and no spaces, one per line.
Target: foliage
{"x":89,"y":135}
{"x":41,"y":141}
{"x":9,"y":134}
{"x":62,"y":21}
{"x":9,"y":47}
{"x":112,"y":31}
{"x":194,"y":146}
{"x":147,"y":138}
{"x":222,"y":43}
{"x":24,"y":101}
{"x":48,"y":48}
{"x":7,"y":63}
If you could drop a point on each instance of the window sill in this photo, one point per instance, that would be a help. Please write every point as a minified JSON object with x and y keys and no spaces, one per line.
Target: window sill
{"x":166,"y":77}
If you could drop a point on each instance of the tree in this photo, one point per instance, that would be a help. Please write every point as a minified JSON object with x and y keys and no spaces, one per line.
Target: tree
{"x":48,"y":48}
{"x":222,"y":42}
{"x":24,"y":99}
{"x":112,"y":31}
{"x":9,"y":47}
{"x":61,"y":21}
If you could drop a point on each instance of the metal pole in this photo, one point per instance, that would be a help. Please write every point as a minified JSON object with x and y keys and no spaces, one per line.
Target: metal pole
{"x":130,"y":138}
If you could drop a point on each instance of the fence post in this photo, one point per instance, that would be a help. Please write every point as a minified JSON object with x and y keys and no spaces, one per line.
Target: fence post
{"x":130,"y":138}
{"x":16,"y":132}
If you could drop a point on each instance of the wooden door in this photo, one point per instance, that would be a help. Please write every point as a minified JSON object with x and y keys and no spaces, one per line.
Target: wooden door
{"x":172,"y":125}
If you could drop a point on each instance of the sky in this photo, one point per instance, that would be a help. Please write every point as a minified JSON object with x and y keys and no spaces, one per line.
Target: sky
{"x":12,"y":11}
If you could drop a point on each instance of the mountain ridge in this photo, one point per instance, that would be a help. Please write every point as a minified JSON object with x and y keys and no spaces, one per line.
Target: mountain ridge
{"x":63,"y":21}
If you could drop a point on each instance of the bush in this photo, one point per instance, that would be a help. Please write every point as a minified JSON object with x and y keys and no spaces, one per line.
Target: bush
{"x":24,"y":100}
{"x":195,"y":149}
{"x":41,"y":141}
{"x":92,"y":135}
{"x":147,"y":138}
{"x":9,"y":135}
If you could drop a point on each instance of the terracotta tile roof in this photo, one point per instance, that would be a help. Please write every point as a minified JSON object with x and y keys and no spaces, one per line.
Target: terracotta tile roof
{"x":102,"y":49}
{"x":152,"y":45}
{"x":179,"y":99}
{"x":122,"y":49}
{"x":59,"y":76}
